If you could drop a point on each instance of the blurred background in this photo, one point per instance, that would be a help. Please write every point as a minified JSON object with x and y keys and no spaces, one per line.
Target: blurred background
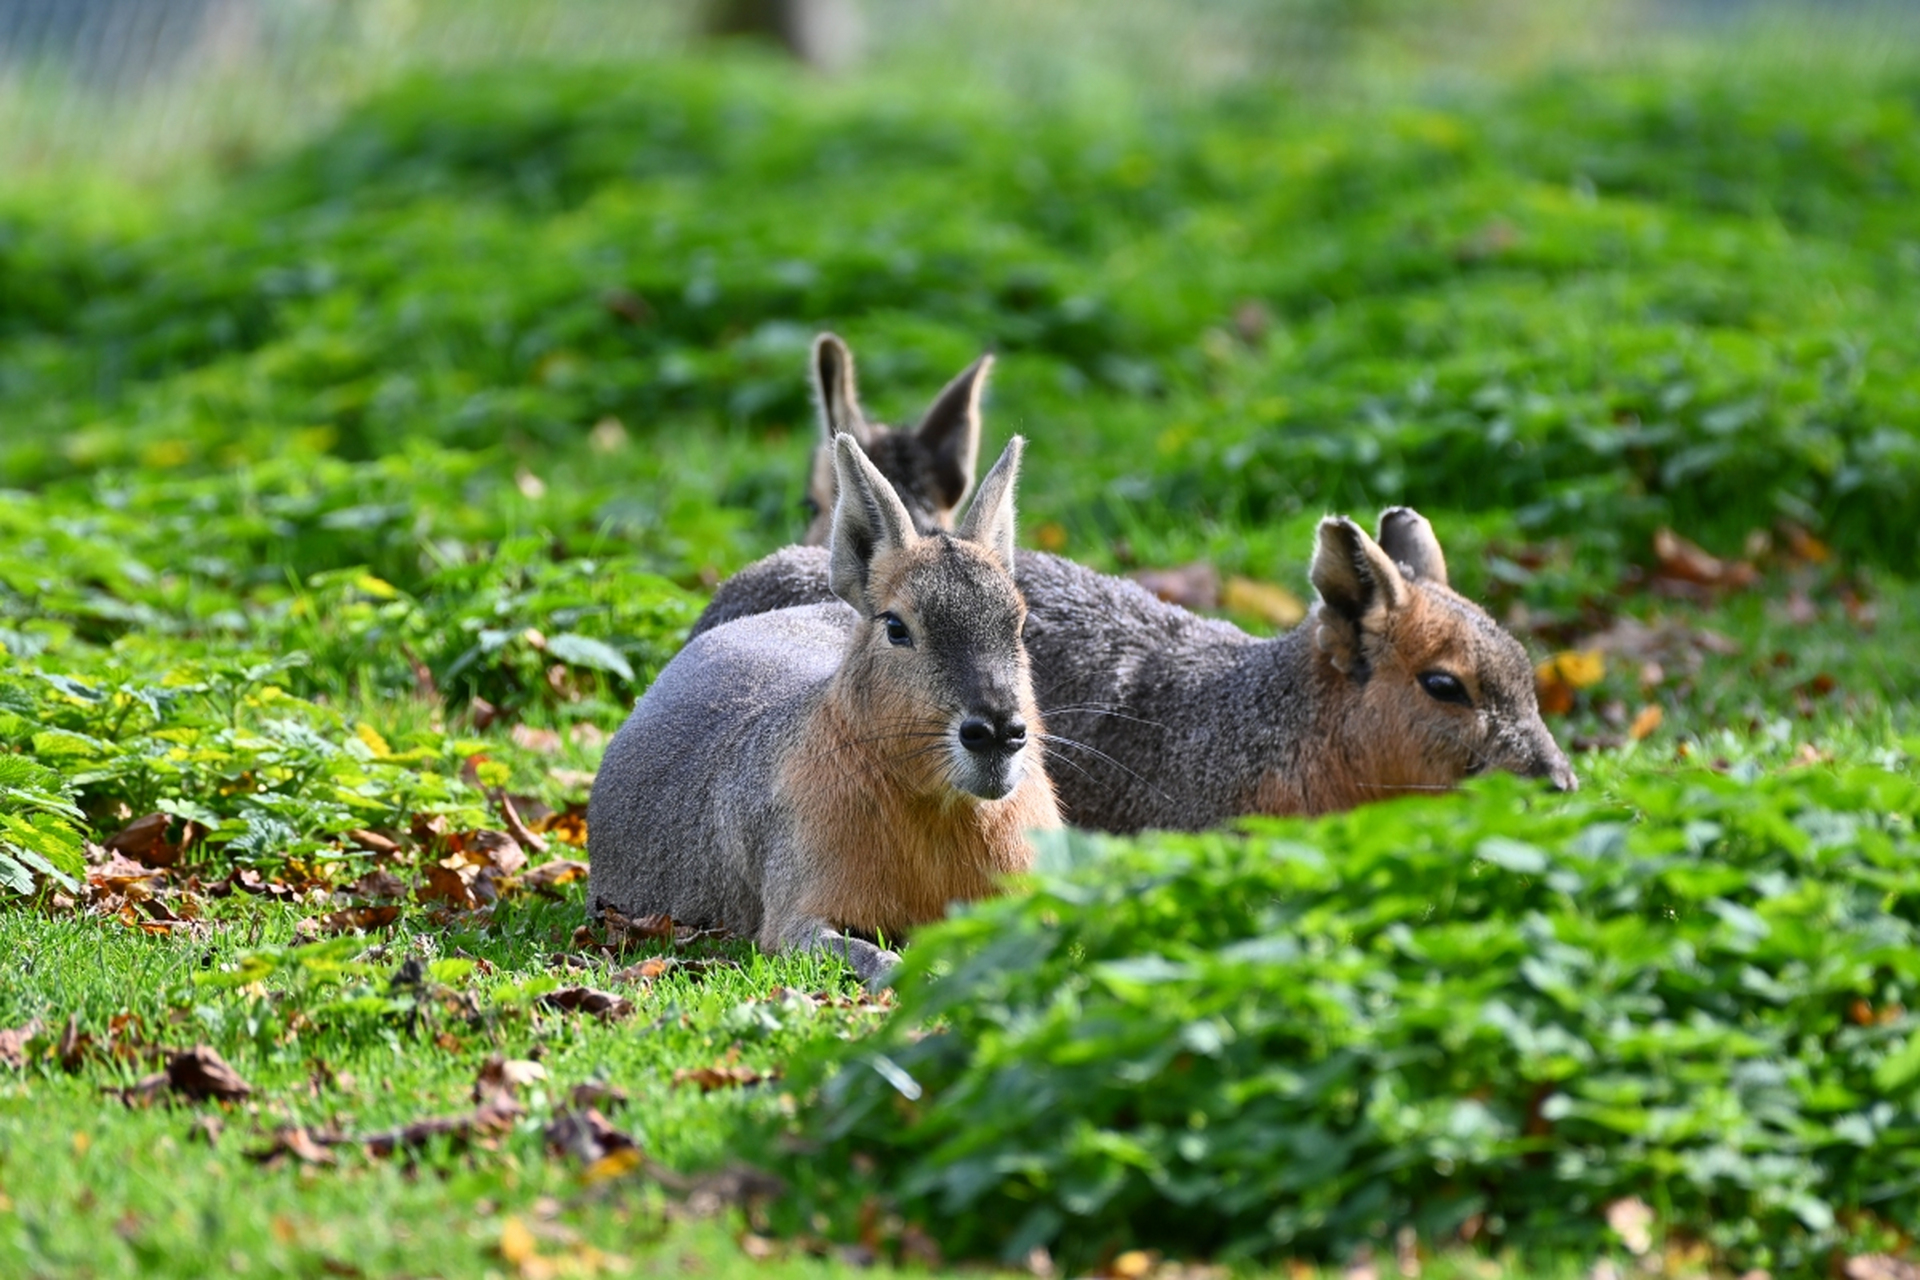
{"x":1621,"y":292}
{"x":153,"y":84}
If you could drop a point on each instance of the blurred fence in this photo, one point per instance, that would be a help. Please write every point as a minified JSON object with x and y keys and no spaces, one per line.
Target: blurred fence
{"x":138,"y":84}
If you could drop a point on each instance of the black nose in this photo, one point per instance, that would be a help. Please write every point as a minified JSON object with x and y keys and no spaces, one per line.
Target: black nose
{"x":1002,"y":733}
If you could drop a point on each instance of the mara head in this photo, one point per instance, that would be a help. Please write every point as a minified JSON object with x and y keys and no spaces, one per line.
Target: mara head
{"x":937,"y":674}
{"x":930,"y":467}
{"x":1435,"y":689}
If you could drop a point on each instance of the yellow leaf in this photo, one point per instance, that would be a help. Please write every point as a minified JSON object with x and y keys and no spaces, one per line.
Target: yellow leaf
{"x":1578,"y":668}
{"x":1051,"y":537}
{"x":1262,"y":600}
{"x":517,"y":1245}
{"x":378,"y":588}
{"x":1645,"y":723}
{"x":492,"y":773}
{"x":375,"y":743}
{"x":613,"y":1164}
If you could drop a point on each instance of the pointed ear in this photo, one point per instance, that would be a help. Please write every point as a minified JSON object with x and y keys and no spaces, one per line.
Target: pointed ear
{"x":834,"y":393}
{"x":1408,"y":540}
{"x":1359,"y":590}
{"x":990,"y":520}
{"x":868,"y":522}
{"x":951,"y":433}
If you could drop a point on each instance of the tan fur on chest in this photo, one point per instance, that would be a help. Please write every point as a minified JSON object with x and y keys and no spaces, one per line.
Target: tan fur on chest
{"x":886,"y":852}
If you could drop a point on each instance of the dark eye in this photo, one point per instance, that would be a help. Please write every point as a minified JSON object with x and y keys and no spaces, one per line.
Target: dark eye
{"x":810,"y":506}
{"x":1442,"y":687}
{"x":897,"y":632}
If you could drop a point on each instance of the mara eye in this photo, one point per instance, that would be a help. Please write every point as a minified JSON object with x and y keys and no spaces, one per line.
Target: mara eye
{"x":1442,"y":687}
{"x":897,"y":633}
{"x":811,"y":507}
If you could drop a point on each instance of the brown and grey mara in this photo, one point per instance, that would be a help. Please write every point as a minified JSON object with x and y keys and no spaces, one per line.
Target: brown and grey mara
{"x":1159,"y":717}
{"x":845,"y":767}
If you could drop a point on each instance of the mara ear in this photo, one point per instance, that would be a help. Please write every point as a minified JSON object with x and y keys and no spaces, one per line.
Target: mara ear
{"x":834,"y":392}
{"x":869,"y":520}
{"x":990,"y":520}
{"x":951,"y":433}
{"x":1359,"y":589}
{"x":1408,"y":540}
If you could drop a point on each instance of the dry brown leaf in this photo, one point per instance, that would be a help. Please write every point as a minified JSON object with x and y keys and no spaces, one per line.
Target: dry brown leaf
{"x":1679,"y":560}
{"x":586,"y":1136}
{"x":495,"y":849}
{"x":455,"y":884}
{"x":147,"y":840}
{"x":14,"y":1041}
{"x":545,"y":741}
{"x":722,"y":1075}
{"x":1631,"y":1218}
{"x":1645,"y":721}
{"x":1262,"y":600}
{"x":604,"y":1005}
{"x":572,"y":779}
{"x":378,"y":883}
{"x":551,"y":875}
{"x":527,"y":839}
{"x":200,"y":1073}
{"x":585,"y":733}
{"x":374,"y":842}
{"x":300,"y":1143}
{"x":349,"y":920}
{"x":1191,"y":586}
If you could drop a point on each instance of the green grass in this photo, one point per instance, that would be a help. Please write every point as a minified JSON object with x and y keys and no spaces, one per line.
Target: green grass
{"x":495,"y":376}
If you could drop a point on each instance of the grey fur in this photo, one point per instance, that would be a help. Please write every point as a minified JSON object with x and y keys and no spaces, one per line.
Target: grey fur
{"x":931,"y":467}
{"x":1158,"y":717}
{"x":687,"y":815}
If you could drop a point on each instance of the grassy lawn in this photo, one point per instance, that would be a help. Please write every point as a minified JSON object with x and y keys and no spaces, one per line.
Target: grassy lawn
{"x":353,"y":487}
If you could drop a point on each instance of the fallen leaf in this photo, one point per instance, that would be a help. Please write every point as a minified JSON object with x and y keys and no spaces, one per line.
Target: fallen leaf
{"x":298,"y":1142}
{"x":1645,"y":722}
{"x":495,"y":849}
{"x":517,"y":1246}
{"x":570,"y":826}
{"x":1879,"y":1266}
{"x":349,"y":920}
{"x":1679,"y":560}
{"x":551,"y":875}
{"x":1262,"y":600}
{"x":1631,"y":1218}
{"x":1191,"y":586}
{"x":207,"y":1127}
{"x":585,"y":733}
{"x":1556,"y":680}
{"x":373,"y":842}
{"x":505,"y":1076}
{"x":572,"y":779}
{"x":510,"y":814}
{"x":201,"y":1073}
{"x":586,"y":1136}
{"x":545,"y":741}
{"x":721,"y":1076}
{"x":604,"y":1005}
{"x":378,"y":883}
{"x":14,"y":1041}
{"x":145,"y":841}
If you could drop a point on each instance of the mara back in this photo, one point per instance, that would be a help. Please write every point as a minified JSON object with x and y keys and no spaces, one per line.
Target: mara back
{"x":1159,"y":717}
{"x":846,"y":767}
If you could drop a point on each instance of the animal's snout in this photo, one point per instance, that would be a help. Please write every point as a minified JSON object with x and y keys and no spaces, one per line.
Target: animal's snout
{"x":998,"y":734}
